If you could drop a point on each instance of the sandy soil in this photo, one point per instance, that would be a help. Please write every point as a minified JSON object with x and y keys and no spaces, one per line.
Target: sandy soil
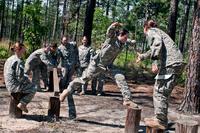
{"x":95,"y":114}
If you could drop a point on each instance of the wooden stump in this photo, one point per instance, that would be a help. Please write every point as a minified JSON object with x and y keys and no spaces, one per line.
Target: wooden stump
{"x":14,"y":111}
{"x":54,"y":107}
{"x":132,"y":120}
{"x":54,"y":102}
{"x":186,"y":126}
{"x":153,"y":130}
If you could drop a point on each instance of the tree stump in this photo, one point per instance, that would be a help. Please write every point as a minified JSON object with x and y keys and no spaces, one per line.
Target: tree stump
{"x":153,"y":130}
{"x":186,"y":126}
{"x":132,"y":120}
{"x":14,"y":111}
{"x":54,"y":102}
{"x":54,"y":107}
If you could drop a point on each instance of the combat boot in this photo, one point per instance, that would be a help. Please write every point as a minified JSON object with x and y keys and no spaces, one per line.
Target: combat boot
{"x":130,"y":103}
{"x":63,"y":95}
{"x":22,"y":107}
{"x":154,"y":122}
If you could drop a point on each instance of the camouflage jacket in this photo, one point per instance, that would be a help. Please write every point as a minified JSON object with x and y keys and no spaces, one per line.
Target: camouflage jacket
{"x":85,"y":55}
{"x":162,"y":49}
{"x":112,"y":47}
{"x":68,"y":55}
{"x":40,"y":57}
{"x":14,"y":74}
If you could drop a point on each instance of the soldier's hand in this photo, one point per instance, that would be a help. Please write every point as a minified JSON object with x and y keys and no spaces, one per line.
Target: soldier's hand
{"x":138,"y":58}
{"x":154,"y":68}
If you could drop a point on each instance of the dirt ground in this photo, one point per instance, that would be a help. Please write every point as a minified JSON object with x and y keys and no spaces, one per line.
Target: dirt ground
{"x":95,"y":114}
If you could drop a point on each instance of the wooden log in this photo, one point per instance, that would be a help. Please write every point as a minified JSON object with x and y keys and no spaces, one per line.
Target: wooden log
{"x":153,"y":130}
{"x":51,"y":83}
{"x":132,"y":120}
{"x":54,"y":107}
{"x":14,"y":111}
{"x":55,"y":80}
{"x":186,"y":126}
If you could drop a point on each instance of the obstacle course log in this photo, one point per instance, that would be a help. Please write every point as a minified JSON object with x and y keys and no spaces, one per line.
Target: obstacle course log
{"x":132,"y":120}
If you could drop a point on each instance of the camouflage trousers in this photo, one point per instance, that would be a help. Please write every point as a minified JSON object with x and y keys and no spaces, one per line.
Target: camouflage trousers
{"x":97,"y":84}
{"x":162,"y":91}
{"x":66,"y":75}
{"x":24,"y":87}
{"x":93,"y":70}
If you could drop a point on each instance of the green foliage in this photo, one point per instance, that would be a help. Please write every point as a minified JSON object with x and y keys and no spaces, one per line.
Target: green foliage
{"x":4,"y":50}
{"x":4,"y":53}
{"x":35,"y":30}
{"x":100,"y":25}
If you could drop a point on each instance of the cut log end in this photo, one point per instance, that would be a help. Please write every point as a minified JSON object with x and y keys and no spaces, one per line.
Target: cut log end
{"x":132,"y":120}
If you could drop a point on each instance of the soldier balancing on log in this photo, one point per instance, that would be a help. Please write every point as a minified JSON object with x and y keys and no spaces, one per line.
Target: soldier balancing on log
{"x":167,"y":64}
{"x":15,"y":79}
{"x":113,"y":45}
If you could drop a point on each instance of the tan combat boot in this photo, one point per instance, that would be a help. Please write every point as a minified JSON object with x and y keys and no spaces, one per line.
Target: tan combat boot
{"x":130,"y":103}
{"x":154,"y":122}
{"x":63,"y":95}
{"x":22,"y":107}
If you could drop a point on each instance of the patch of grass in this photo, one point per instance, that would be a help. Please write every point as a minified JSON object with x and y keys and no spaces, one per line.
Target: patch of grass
{"x":4,"y":49}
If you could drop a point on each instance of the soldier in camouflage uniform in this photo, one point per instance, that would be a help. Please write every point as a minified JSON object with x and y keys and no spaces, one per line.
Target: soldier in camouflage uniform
{"x":85,"y":54}
{"x":69,"y":61}
{"x":167,"y":63}
{"x":110,"y":50}
{"x":38,"y":62}
{"x":14,"y":77}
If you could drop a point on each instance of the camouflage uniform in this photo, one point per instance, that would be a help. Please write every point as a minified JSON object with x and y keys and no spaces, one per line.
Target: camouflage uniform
{"x":167,"y":56}
{"x":85,"y":55}
{"x":68,"y":61}
{"x":99,"y":64}
{"x":97,"y":84}
{"x":16,"y":81}
{"x":37,"y":62}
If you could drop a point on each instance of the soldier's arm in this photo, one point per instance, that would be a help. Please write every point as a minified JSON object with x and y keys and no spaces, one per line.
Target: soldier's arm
{"x":111,"y":31}
{"x":77,"y":63}
{"x":145,"y":55}
{"x":92,"y":53}
{"x":59,"y":54}
{"x":155,"y":43}
{"x":46,"y":60}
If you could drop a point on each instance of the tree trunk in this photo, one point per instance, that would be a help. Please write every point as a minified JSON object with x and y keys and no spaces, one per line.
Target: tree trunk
{"x":46,"y":20}
{"x":173,"y":18}
{"x":20,"y":33}
{"x":89,"y":19}
{"x":77,"y":20}
{"x":55,"y":21}
{"x":114,"y":10}
{"x":184,"y":23}
{"x":107,"y":7}
{"x":64,"y":17}
{"x":11,"y":21}
{"x":2,"y":19}
{"x":6,"y":31}
{"x":191,"y":103}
